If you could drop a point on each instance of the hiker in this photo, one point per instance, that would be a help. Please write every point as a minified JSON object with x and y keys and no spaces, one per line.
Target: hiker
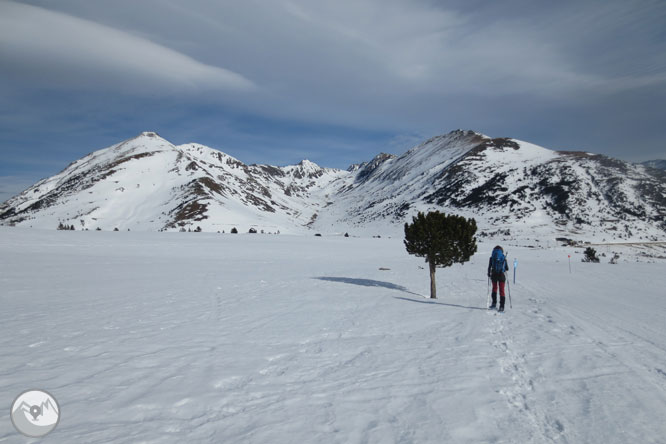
{"x":496,"y":267}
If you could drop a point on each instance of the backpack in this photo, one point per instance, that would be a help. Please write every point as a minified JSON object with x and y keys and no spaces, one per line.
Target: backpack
{"x":498,"y":260}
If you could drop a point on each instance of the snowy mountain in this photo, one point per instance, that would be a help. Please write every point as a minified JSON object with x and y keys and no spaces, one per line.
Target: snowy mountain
{"x":660,"y":164}
{"x":147,"y":183}
{"x":513,"y":189}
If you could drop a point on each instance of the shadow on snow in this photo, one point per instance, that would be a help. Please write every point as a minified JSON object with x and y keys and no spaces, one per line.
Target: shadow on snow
{"x":366,"y":283}
{"x":391,"y":286}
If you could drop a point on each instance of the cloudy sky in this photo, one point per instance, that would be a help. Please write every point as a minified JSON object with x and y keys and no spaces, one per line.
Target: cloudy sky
{"x":336,"y":82}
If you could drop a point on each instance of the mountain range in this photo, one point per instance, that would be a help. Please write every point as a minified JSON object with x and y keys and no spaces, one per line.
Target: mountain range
{"x":657,"y":163}
{"x":511,"y":187}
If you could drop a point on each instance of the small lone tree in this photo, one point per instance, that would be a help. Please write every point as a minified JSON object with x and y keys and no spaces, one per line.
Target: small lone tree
{"x":442,"y":240}
{"x":590,"y":255}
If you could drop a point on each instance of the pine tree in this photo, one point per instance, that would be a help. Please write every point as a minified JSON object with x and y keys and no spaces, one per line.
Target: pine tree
{"x":590,"y":255}
{"x":442,"y":240}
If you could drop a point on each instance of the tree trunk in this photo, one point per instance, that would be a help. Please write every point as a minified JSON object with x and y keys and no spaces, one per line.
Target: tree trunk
{"x":433,"y":286}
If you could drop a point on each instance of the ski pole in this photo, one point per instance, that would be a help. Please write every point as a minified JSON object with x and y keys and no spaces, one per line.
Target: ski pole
{"x":515,"y":265}
{"x":509,"y":284}
{"x":488,"y":298}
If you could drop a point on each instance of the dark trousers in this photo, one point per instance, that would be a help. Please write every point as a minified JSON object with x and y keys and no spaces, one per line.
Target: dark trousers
{"x":498,"y":281}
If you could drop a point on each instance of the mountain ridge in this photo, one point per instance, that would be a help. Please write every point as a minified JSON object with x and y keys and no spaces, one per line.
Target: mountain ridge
{"x":512,"y":187}
{"x":659,"y":164}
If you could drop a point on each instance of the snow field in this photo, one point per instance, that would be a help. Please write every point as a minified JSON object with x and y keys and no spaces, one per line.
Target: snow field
{"x":202,"y":337}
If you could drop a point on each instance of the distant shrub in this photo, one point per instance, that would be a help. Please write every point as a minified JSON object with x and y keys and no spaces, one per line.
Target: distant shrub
{"x":197,"y":229}
{"x":252,"y":230}
{"x":182,"y":230}
{"x":614,"y":259}
{"x":318,"y":234}
{"x":98,"y":229}
{"x":346,"y":234}
{"x":116,"y":229}
{"x":590,"y":255}
{"x":234,"y":230}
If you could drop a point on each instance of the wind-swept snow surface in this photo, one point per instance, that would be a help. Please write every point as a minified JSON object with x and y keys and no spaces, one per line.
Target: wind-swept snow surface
{"x":201,"y":337}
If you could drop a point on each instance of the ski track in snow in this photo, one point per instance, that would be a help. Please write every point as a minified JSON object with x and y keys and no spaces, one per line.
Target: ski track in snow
{"x":195,"y":337}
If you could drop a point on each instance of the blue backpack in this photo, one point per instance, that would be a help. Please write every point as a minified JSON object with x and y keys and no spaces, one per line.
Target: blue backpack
{"x":498,"y":260}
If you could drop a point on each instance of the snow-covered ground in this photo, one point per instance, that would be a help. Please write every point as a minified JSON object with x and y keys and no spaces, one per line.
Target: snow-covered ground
{"x":201,"y":337}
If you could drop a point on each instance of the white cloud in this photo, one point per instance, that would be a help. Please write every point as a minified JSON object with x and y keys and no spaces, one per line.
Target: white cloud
{"x":399,"y":66}
{"x":52,"y":49}
{"x":416,"y":46}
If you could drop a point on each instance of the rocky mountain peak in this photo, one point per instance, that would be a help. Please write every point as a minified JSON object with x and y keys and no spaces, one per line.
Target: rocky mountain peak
{"x":305,"y":169}
{"x":365,"y":170}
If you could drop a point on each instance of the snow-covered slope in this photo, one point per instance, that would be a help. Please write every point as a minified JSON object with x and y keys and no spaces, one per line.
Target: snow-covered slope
{"x":146,"y":183}
{"x":513,"y":189}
